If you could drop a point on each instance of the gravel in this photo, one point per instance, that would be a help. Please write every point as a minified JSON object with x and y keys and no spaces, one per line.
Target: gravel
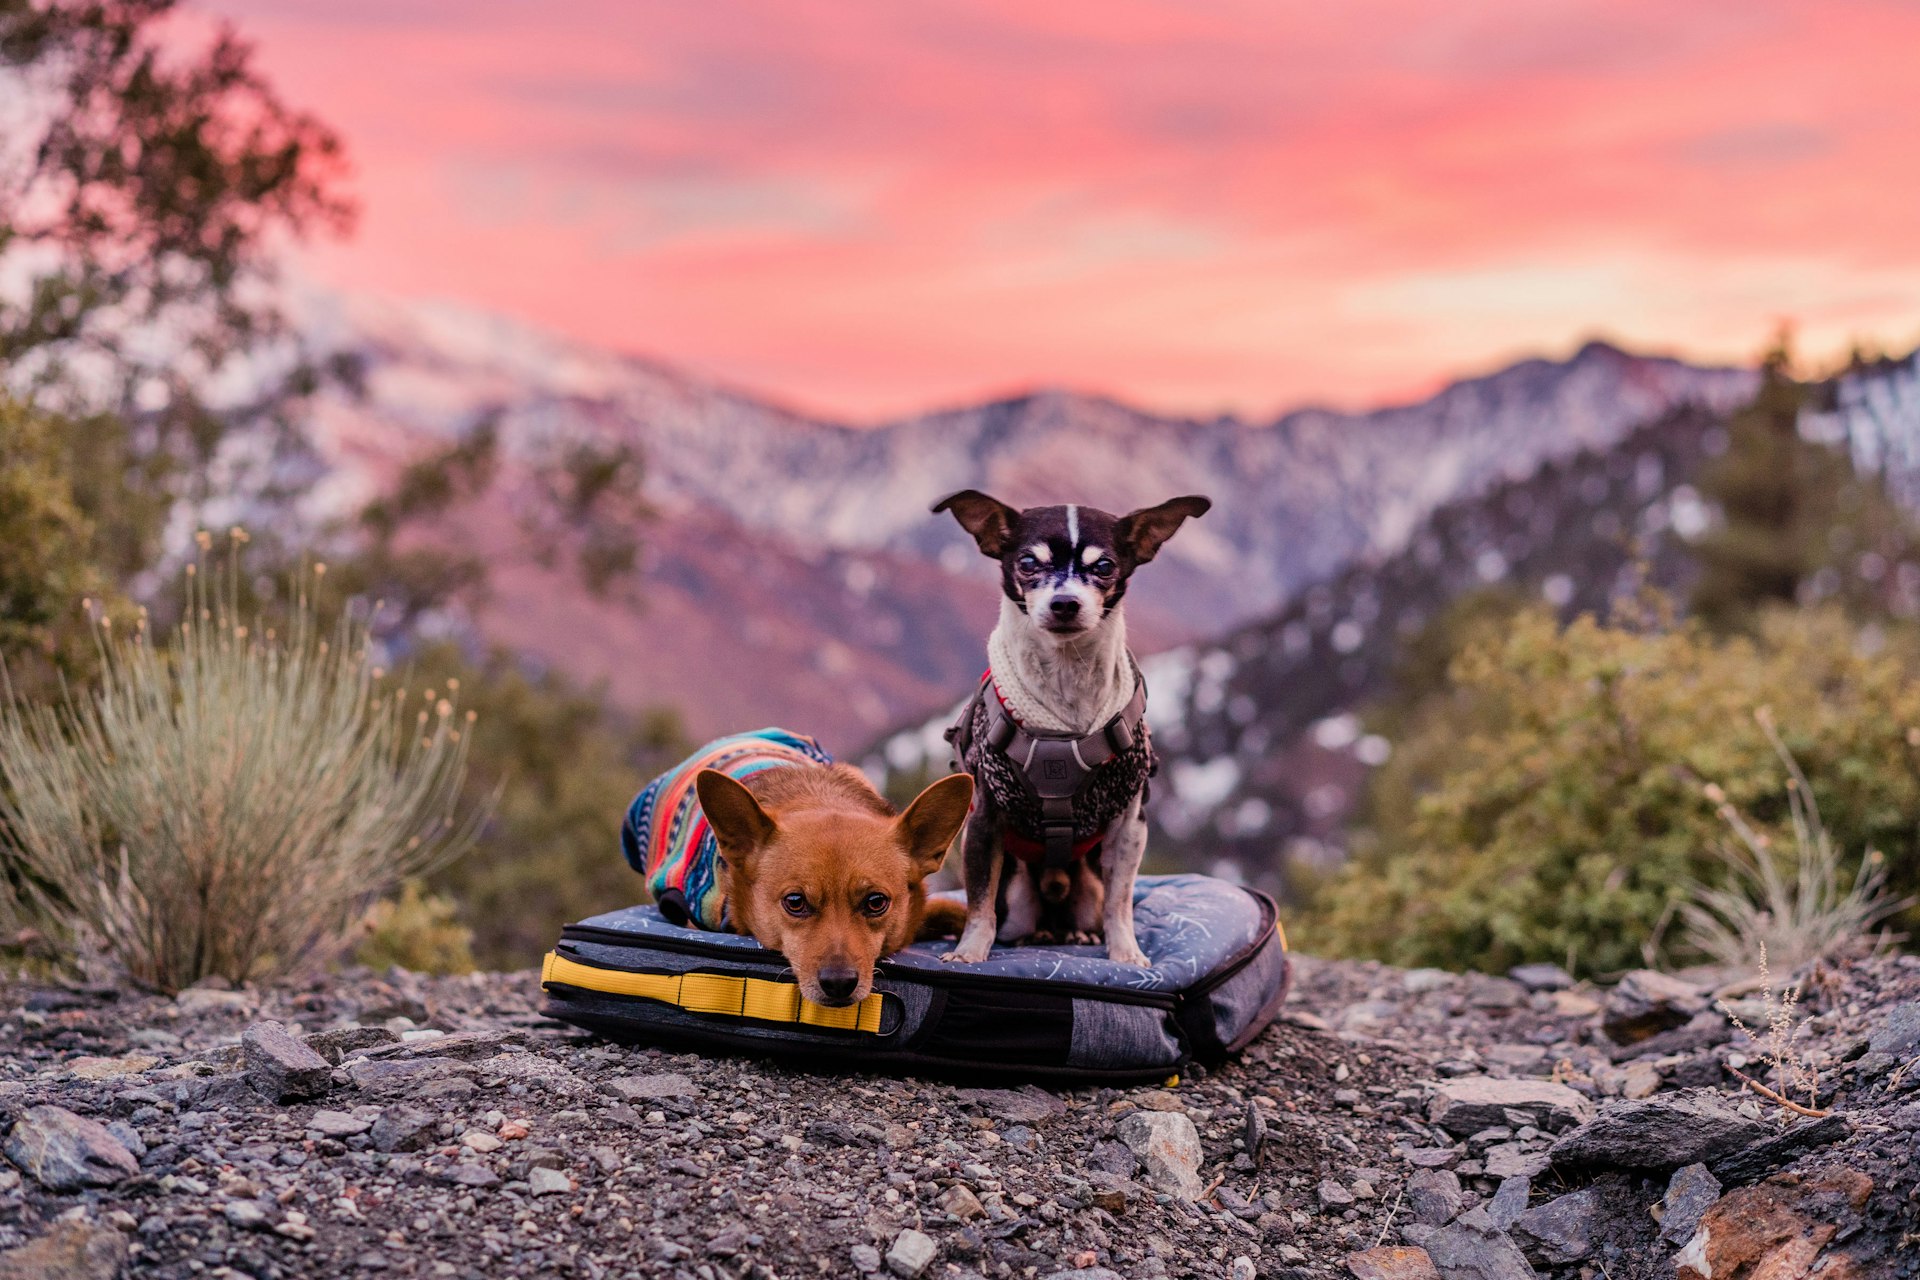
{"x":1377,"y":1125}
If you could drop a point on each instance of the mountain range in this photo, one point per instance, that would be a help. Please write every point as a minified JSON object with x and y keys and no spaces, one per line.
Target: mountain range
{"x":791,"y":572}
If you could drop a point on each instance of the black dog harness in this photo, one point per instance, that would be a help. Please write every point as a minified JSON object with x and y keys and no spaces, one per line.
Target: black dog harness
{"x":1060,"y":791}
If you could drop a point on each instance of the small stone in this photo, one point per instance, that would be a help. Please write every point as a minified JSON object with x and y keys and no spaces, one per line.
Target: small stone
{"x":548,"y":1182}
{"x":404,"y":1128}
{"x":244,"y":1215}
{"x":912,"y":1253}
{"x":1513,"y":1160}
{"x":1434,"y":1196}
{"x":1561,"y":1231}
{"x":1333,"y":1195}
{"x":1114,"y":1158}
{"x":866,"y":1259}
{"x":477,"y":1176}
{"x":1169,"y":1150}
{"x":1661,"y":1132}
{"x":66,"y":1152}
{"x":1509,"y":1202}
{"x":337,"y":1124}
{"x":280,"y":1067}
{"x":70,"y":1250}
{"x":1029,"y":1105}
{"x":1431,"y":1157}
{"x":1242,"y":1269}
{"x":1645,"y":1003}
{"x":1541,"y":977}
{"x":1691,"y":1191}
{"x":1640,"y":1080}
{"x":670,"y":1084}
{"x":481,"y":1141}
{"x":959,"y":1201}
{"x":1420,"y":981}
{"x":1469,"y":1104}
{"x":1391,"y":1262}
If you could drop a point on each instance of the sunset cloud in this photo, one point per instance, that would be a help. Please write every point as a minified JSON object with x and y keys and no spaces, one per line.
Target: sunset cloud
{"x":871,"y":208}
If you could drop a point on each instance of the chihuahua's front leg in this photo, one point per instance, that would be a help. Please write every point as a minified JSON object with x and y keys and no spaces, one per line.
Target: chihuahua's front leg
{"x":980,"y":853}
{"x":1126,"y":844}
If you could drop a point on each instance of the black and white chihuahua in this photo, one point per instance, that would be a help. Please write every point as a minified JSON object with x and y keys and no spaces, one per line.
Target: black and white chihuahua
{"x":1055,"y":736}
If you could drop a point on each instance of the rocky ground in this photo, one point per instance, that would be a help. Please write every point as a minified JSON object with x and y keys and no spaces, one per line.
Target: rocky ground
{"x":1395,"y":1125}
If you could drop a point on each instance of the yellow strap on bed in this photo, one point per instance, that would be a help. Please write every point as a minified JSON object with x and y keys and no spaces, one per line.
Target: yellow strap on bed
{"x":757,"y":998}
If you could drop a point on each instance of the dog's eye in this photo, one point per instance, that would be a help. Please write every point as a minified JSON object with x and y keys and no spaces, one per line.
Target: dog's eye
{"x":1103,"y":566}
{"x":1028,"y":563}
{"x":877,"y":904}
{"x":796,"y":904}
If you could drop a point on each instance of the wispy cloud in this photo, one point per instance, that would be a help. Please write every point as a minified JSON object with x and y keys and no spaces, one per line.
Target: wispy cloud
{"x":871,"y":206}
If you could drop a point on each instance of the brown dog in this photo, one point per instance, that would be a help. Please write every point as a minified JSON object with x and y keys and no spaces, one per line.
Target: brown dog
{"x":817,"y":866}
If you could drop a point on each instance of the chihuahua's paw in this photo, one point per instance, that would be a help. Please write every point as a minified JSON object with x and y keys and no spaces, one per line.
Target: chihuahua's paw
{"x":1082,"y":938}
{"x":965,"y":954}
{"x":1129,"y":953}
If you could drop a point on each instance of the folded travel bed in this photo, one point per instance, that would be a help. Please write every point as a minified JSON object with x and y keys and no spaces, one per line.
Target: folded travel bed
{"x":1219,"y":972}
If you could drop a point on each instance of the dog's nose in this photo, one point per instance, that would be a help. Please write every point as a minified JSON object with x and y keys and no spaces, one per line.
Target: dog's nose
{"x":1065,"y":608}
{"x":838,"y":985}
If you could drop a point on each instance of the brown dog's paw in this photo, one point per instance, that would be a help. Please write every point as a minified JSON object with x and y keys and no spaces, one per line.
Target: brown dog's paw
{"x":1128,"y":954}
{"x":1081,"y":938}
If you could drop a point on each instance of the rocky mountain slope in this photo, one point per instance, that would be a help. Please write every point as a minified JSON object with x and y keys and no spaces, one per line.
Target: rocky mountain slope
{"x":790,"y":552}
{"x":1394,"y":1126}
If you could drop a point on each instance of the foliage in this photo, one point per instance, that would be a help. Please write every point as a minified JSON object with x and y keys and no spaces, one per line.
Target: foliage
{"x":560,"y":769}
{"x":229,"y":804}
{"x":46,"y":561}
{"x":146,"y":179}
{"x":418,"y":931}
{"x":1797,"y":522}
{"x":1548,"y":805}
{"x":1793,"y":908}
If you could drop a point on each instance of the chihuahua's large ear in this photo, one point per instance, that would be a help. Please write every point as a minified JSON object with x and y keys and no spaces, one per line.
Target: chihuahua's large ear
{"x":933,"y":820}
{"x":740,"y":825}
{"x":1141,"y":532}
{"x":989,"y":520}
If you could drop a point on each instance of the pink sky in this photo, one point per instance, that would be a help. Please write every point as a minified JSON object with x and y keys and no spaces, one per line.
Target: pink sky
{"x":871,"y":208}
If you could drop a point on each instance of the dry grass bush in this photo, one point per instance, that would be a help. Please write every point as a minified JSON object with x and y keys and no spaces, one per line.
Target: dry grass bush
{"x":1796,"y":908}
{"x":230,"y":802}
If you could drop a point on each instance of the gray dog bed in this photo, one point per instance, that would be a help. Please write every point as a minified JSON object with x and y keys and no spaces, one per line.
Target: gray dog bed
{"x":1219,"y":972}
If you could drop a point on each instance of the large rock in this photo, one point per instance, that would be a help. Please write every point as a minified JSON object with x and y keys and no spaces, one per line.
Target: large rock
{"x":1469,"y":1104}
{"x":1560,"y":1231}
{"x":1661,"y":1132}
{"x":1168,"y":1148}
{"x":1750,"y":1164}
{"x":68,"y":1251}
{"x":1391,"y":1262}
{"x":1690,"y":1193}
{"x":66,"y":1152}
{"x":912,"y":1253}
{"x":1898,"y":1034}
{"x":1645,"y":1003}
{"x":1777,"y":1228}
{"x":280,"y":1066}
{"x":1474,"y":1249}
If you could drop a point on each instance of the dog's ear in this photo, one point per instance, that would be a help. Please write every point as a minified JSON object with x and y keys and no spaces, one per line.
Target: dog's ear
{"x":989,"y":520}
{"x":1141,"y":532}
{"x":740,"y":826}
{"x":933,"y":820}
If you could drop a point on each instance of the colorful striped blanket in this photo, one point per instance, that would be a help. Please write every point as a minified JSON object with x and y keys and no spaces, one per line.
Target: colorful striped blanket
{"x":666,"y":837}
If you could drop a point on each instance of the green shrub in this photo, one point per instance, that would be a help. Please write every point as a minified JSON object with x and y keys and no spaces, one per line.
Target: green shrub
{"x":417,"y":930}
{"x":1548,"y":803}
{"x":228,"y":804}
